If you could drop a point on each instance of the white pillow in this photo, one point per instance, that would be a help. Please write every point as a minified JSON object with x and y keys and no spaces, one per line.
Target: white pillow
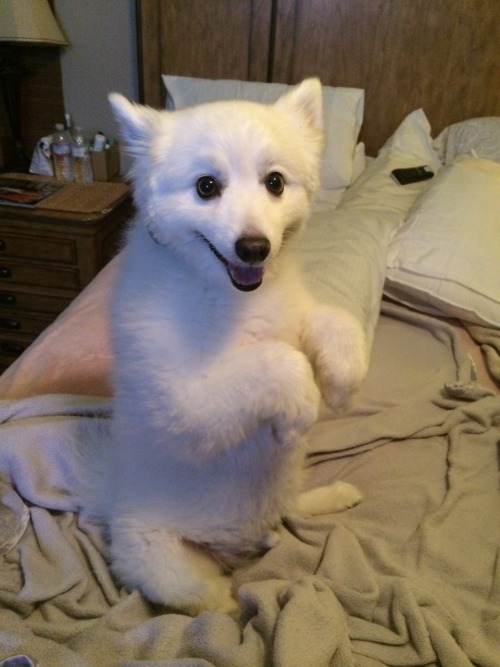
{"x":343,"y":115}
{"x":476,"y":135}
{"x":446,"y":258}
{"x":409,"y":146}
{"x":344,"y":252}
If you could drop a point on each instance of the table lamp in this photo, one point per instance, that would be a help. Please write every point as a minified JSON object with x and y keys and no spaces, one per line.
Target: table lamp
{"x":22,"y":22}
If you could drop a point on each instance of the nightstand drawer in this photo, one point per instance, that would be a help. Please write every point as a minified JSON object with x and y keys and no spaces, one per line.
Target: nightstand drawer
{"x":48,"y":255}
{"x":12,"y":347}
{"x":30,"y":324}
{"x":39,"y":275}
{"x":44,"y":303}
{"x":37,"y":247}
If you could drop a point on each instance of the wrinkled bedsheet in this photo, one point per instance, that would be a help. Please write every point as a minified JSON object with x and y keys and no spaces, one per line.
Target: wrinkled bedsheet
{"x":411,"y":576}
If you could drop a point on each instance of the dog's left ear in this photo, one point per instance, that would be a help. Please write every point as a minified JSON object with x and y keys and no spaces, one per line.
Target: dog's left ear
{"x":306,"y":101}
{"x":135,"y":122}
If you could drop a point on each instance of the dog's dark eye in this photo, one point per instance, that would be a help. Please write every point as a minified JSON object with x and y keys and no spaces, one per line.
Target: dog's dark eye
{"x":208,"y":187}
{"x":275,"y":183}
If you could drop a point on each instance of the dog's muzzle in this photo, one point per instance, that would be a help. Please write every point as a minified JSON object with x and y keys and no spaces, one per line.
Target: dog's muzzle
{"x":252,"y":250}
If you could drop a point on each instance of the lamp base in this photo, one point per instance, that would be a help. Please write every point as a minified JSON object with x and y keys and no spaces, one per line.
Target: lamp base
{"x":10,"y":77}
{"x":13,"y":157}
{"x":17,"y":161}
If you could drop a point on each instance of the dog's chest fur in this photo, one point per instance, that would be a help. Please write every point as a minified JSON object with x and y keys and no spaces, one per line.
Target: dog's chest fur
{"x":179,"y":332}
{"x":180,"y":316}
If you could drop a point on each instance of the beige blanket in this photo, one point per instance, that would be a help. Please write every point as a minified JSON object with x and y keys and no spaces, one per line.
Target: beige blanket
{"x":408,"y":577}
{"x":489,"y":340}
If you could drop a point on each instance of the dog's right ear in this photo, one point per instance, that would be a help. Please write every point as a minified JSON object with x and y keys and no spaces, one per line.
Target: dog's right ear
{"x":305,"y":101}
{"x":135,"y":122}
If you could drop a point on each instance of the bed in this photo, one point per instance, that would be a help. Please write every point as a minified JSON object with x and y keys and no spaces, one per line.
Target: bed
{"x":411,"y":575}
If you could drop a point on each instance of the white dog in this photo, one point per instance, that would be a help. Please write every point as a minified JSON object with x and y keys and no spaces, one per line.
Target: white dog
{"x":219,"y":348}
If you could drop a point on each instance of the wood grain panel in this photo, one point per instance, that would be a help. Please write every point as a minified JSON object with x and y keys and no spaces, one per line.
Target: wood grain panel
{"x":260,"y":44}
{"x":149,"y":49}
{"x":203,"y":38}
{"x":442,"y":55}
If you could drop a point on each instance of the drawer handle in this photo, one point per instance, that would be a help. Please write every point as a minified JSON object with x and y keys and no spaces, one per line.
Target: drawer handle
{"x":11,"y":348}
{"x":2,"y":245}
{"x":11,"y":325}
{"x":5,"y":272}
{"x":7,"y":299}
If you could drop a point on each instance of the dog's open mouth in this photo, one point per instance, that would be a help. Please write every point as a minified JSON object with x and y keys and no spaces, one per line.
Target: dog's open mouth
{"x":244,"y":277}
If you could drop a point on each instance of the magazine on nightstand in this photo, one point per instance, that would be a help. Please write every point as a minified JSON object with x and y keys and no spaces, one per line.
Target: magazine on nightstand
{"x":25,"y":192}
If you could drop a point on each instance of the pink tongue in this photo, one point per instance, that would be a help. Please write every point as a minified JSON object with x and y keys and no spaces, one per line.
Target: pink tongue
{"x":246,"y":275}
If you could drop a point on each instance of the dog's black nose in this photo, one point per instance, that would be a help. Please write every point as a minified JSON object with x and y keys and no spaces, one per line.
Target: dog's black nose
{"x":252,"y":249}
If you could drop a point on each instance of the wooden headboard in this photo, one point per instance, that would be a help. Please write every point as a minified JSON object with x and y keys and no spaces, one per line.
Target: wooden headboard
{"x":441,"y":55}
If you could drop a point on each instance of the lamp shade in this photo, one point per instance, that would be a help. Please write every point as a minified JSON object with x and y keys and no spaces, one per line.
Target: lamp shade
{"x":29,"y":21}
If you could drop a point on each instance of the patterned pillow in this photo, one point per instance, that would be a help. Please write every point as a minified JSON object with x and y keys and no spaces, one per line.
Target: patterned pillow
{"x":477,"y":136}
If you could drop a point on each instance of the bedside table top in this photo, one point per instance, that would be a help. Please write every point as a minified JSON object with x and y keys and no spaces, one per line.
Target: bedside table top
{"x":85,"y":202}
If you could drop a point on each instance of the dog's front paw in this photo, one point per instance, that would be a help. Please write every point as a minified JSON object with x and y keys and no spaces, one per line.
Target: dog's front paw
{"x":296,"y":399}
{"x":335,"y":342}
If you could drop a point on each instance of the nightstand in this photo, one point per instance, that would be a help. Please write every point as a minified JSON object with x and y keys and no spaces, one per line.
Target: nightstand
{"x":49,"y":253}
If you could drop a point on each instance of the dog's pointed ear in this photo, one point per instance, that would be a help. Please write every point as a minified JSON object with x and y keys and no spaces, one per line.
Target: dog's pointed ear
{"x":306,"y":101}
{"x":134,"y":121}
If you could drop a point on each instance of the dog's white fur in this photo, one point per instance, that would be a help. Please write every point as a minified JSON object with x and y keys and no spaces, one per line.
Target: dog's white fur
{"x":216,"y":386}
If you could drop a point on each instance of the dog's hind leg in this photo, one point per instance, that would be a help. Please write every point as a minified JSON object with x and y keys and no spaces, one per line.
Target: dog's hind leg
{"x":333,"y":497}
{"x":169,"y":570}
